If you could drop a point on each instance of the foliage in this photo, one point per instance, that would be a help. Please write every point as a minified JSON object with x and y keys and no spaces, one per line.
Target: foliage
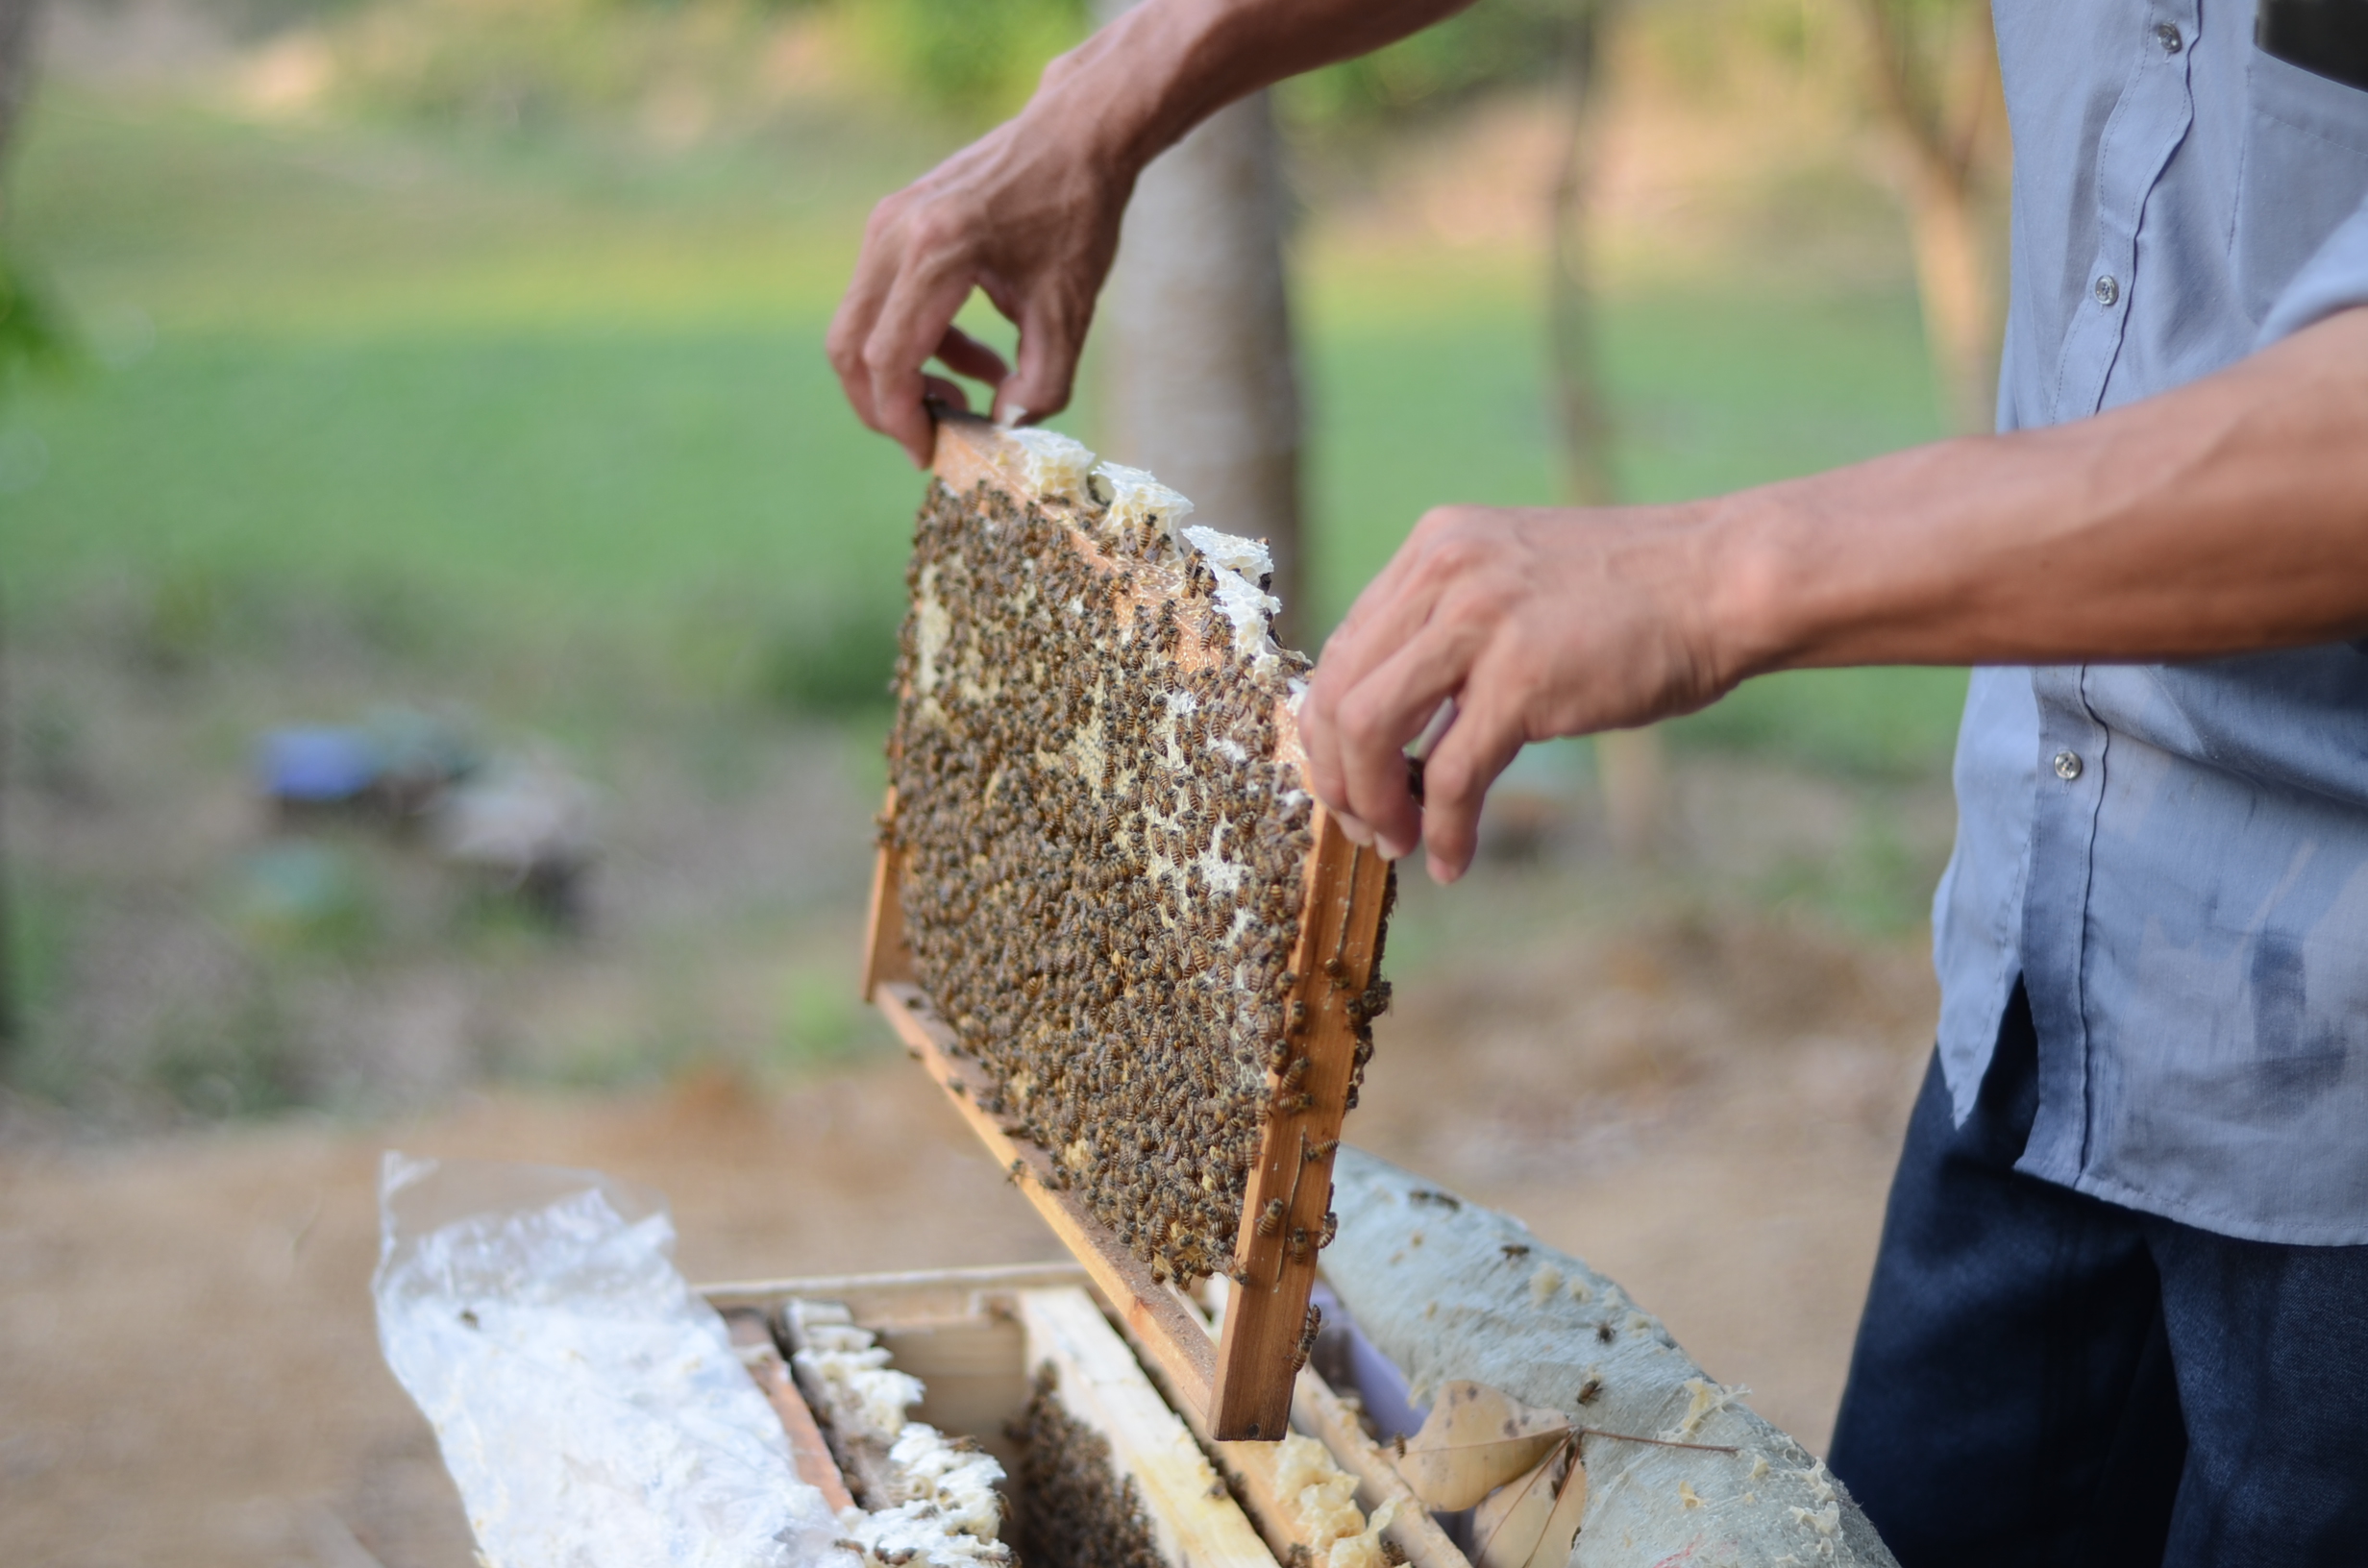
{"x":683,"y":70}
{"x":980,"y":58}
{"x":35,"y":333}
{"x":1494,"y":44}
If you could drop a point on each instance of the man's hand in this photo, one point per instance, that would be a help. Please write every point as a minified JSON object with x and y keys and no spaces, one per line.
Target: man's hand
{"x":1537,"y":623}
{"x":1030,"y":214}
{"x":2226,"y":517}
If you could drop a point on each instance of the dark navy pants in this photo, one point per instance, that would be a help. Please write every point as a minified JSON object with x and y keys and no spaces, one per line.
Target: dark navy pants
{"x":2043,"y":1378}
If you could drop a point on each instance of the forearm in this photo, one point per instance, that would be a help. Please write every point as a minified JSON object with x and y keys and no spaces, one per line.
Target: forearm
{"x":1137,"y":86}
{"x":2229,"y":515}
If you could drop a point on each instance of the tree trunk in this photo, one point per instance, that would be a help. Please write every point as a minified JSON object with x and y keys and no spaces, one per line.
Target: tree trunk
{"x":1932,"y":75}
{"x":1198,"y":382}
{"x":20,"y":40}
{"x":1629,"y":764}
{"x":1959,"y":297}
{"x":13,"y":1020}
{"x":20,"y":37}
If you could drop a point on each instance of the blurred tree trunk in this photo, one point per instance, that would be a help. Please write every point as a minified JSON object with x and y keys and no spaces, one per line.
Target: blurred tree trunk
{"x":19,"y":38}
{"x":1199,"y":378}
{"x":1932,"y":75}
{"x":1629,"y":761}
{"x":12,"y":1039}
{"x":21,"y":33}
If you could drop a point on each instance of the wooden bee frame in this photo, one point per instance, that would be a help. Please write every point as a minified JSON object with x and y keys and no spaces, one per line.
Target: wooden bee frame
{"x":1240,"y":1388}
{"x":975,"y":1338}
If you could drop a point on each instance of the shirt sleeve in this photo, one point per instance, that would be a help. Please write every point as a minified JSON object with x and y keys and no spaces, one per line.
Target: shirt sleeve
{"x":2334,"y":278}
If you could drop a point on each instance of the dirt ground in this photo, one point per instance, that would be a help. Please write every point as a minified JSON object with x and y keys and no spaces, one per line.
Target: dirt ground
{"x":1706,"y":1109}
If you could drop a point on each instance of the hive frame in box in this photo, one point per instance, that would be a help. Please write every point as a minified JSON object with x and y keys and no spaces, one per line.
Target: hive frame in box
{"x":975,"y":1337}
{"x":1241,"y":1389}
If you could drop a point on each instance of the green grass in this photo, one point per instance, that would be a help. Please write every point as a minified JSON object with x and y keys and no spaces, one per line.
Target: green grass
{"x":558,"y":388}
{"x":597,"y":475}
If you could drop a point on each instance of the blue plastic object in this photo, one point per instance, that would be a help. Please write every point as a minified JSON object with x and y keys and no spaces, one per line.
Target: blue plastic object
{"x":318,"y":767}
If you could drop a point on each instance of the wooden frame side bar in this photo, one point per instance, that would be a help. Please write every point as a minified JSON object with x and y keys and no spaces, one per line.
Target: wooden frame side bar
{"x":808,"y":1449}
{"x":1283,"y":1217}
{"x":887,"y":956}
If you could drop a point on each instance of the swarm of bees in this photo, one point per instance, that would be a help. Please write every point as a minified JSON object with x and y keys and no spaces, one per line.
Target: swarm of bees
{"x":1102,"y":833}
{"x":1079,"y":1513}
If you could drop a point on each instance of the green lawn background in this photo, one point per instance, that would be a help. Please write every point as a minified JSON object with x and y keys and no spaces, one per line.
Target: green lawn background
{"x":561,"y":389}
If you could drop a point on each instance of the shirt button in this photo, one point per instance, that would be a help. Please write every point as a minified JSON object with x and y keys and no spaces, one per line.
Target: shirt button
{"x":2068,"y":765}
{"x":2108,"y":289}
{"x":2168,"y":36}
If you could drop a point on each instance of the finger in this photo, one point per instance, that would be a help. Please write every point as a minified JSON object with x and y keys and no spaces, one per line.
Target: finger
{"x":965,"y":355}
{"x":858,"y":311}
{"x":1396,"y":606}
{"x":1039,"y":386}
{"x":1416,"y":749}
{"x":1488,"y":733}
{"x":912,"y":321}
{"x":1375,"y":720}
{"x":949,"y":393}
{"x":1398,"y":602}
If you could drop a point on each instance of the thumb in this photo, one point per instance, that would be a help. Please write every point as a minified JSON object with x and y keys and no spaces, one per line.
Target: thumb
{"x":1040,"y":384}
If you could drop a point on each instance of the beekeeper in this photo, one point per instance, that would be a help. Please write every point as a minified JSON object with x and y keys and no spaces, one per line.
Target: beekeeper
{"x":2120,"y":1313}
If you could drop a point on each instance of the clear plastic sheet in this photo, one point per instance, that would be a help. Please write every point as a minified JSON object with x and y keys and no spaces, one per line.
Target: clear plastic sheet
{"x":591,"y":1409}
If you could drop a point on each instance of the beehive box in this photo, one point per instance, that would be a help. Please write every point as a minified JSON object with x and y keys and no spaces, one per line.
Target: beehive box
{"x":1105,"y":1470}
{"x":1109,"y":916}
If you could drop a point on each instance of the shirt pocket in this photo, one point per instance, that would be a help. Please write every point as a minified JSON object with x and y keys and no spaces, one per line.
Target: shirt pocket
{"x":2305,"y":169}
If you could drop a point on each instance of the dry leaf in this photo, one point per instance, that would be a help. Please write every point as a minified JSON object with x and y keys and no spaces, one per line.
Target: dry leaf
{"x":1510,"y":1522}
{"x":1475,"y":1439}
{"x":1562,"y":1528}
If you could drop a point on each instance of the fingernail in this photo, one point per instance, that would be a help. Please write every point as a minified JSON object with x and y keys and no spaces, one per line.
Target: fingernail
{"x":1357,"y":832}
{"x":1391,"y":849}
{"x":1444,"y":874}
{"x":1008,"y":418}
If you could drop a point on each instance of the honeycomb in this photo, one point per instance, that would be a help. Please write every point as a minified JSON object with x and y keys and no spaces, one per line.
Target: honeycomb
{"x":1102,"y":832}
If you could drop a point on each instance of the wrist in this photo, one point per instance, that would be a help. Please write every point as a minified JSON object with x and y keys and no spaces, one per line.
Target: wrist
{"x":1755,"y":601}
{"x":1132,"y":90}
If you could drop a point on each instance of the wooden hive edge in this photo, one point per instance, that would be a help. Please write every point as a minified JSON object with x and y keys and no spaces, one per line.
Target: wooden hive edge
{"x":1253,"y":1469}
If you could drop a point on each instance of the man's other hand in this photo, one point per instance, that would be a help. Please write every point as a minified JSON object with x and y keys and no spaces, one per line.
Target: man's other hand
{"x":1537,"y":623}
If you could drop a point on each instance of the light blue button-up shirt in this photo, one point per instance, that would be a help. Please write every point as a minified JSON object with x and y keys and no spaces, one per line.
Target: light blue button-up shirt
{"x":2173,"y":858}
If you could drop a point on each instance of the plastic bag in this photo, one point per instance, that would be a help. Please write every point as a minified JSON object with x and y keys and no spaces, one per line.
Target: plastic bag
{"x":591,"y":1409}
